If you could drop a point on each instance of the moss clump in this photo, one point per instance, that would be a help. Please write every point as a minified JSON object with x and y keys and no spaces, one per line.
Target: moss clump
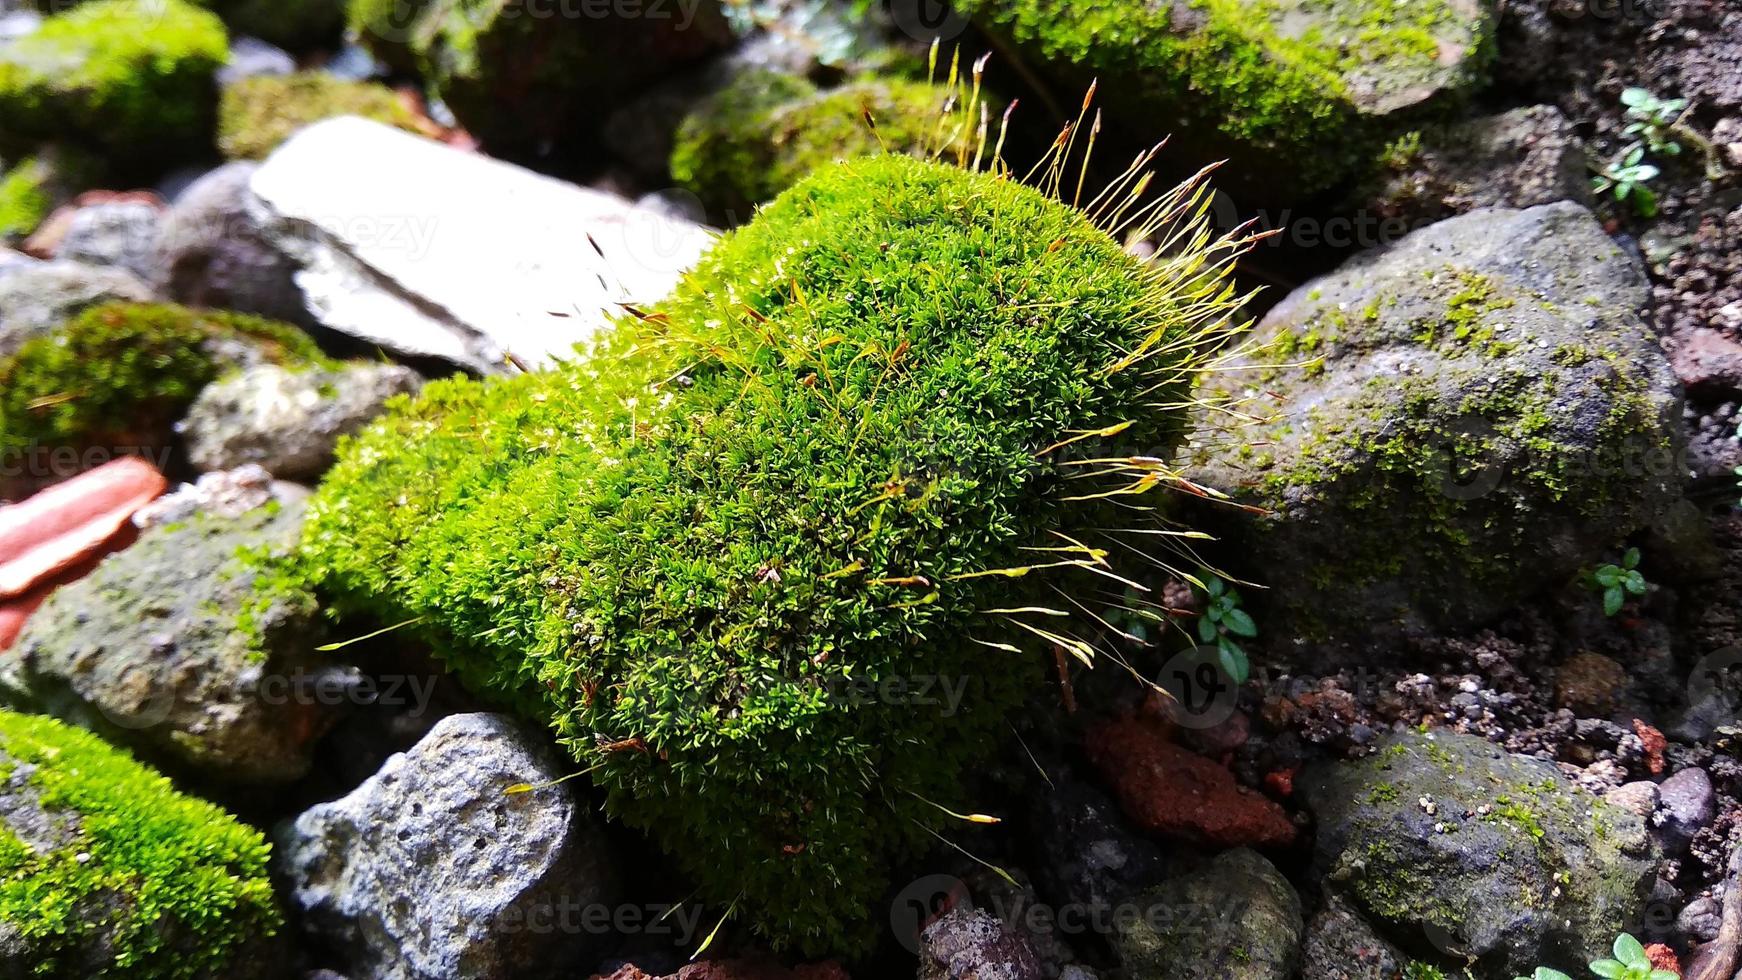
{"x":257,"y":114}
{"x":25,"y":199}
{"x":127,"y":371}
{"x":808,"y":474}
{"x":126,"y":877}
{"x":1303,"y":79}
{"x":767,"y":130}
{"x":131,"y":79}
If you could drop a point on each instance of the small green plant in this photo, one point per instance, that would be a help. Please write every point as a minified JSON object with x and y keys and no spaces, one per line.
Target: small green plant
{"x":1626,"y":176}
{"x":1222,"y":620}
{"x":1617,"y":582}
{"x":1423,"y":971}
{"x":1630,"y":962}
{"x":1652,"y":121}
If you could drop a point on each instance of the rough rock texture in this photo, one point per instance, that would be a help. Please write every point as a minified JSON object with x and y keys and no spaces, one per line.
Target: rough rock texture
{"x":1457,"y":421}
{"x":122,"y":234}
{"x":431,"y":871}
{"x":1685,"y":806}
{"x":211,"y":252}
{"x":404,"y":243}
{"x":1167,"y":790}
{"x":968,"y":944}
{"x":1289,"y":90}
{"x":1518,"y":159}
{"x":1340,"y":945}
{"x":1091,"y":857}
{"x":181,"y":648}
{"x":36,"y":299}
{"x":287,"y":421}
{"x":1449,"y":839}
{"x":1236,"y":919}
{"x":531,"y":82}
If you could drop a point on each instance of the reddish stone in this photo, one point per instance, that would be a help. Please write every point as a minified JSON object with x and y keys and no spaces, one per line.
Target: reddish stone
{"x":1663,"y":958}
{"x":1709,"y":364}
{"x":741,"y":969}
{"x":1655,"y":743}
{"x":1281,"y":782}
{"x":1169,"y":791}
{"x":66,"y":524}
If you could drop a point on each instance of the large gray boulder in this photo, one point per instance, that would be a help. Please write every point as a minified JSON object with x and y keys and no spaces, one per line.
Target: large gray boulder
{"x":431,"y":870}
{"x":184,"y":648}
{"x":1454,"y":422}
{"x":288,"y":421}
{"x":1237,"y":918}
{"x":1454,"y":844}
{"x":211,"y":251}
{"x":34,"y":299}
{"x":428,"y":251}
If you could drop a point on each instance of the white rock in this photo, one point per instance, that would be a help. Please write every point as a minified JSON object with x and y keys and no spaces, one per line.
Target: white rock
{"x":429,"y":251}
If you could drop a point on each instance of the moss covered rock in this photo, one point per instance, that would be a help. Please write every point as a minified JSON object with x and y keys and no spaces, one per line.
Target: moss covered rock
{"x":106,"y":871}
{"x":530,"y":80}
{"x":25,"y":198}
{"x":130,"y":79}
{"x":1300,"y":88}
{"x":742,"y":146}
{"x":821,"y":463}
{"x":1455,"y":844}
{"x":1236,"y":918}
{"x":121,"y":374}
{"x":256,"y":114}
{"x":1453,"y":423}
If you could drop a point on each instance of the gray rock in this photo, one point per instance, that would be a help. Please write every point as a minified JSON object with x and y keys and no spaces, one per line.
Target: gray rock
{"x":1701,"y":919}
{"x":35,"y":299}
{"x":1685,"y":806}
{"x":1517,"y":159}
{"x":12,"y":260}
{"x":1638,"y":797}
{"x":968,"y":944}
{"x":430,"y":871}
{"x":121,"y":234}
{"x":1448,"y":839}
{"x":288,"y":421}
{"x":428,"y":251}
{"x":211,"y":252}
{"x":1235,"y":919}
{"x":1092,"y":859}
{"x":251,"y":57}
{"x":1458,"y":421}
{"x":169,"y":647}
{"x":1340,"y":945}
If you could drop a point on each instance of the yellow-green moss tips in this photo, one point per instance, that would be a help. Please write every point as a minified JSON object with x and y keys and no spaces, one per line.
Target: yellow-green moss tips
{"x":132,"y":79}
{"x":126,"y":877}
{"x":24,"y":198}
{"x":257,"y":114}
{"x":816,"y":468}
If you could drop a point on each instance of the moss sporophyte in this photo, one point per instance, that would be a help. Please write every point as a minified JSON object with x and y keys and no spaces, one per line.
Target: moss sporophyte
{"x":902,"y":423}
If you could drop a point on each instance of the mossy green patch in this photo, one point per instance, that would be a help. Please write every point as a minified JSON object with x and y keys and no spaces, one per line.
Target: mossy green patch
{"x":767,"y":130}
{"x":123,"y":370}
{"x":257,"y":114}
{"x":134,"y":879}
{"x":813,"y":472}
{"x":132,"y":79}
{"x":24,"y":198}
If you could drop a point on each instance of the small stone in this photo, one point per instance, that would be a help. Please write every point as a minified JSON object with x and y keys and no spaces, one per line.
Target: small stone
{"x":122,"y":234}
{"x":1686,"y":805}
{"x":968,"y":944}
{"x":1587,"y":683}
{"x":1708,"y":363}
{"x":1639,"y":797}
{"x":1169,"y":791}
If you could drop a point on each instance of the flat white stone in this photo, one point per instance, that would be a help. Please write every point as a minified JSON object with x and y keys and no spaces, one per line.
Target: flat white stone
{"x":429,"y":251}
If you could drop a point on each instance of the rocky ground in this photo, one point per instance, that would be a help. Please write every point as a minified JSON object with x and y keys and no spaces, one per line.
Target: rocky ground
{"x":1454,"y":692}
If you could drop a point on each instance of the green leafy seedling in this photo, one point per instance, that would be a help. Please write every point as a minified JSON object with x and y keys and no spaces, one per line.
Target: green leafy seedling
{"x":1652,"y":120}
{"x":1616,"y":582}
{"x":1629,"y":963}
{"x":1545,"y":973}
{"x":1222,"y":620}
{"x":1626,"y":176}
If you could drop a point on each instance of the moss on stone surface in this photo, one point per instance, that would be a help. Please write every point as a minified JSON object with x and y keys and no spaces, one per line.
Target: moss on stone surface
{"x":797,"y":476}
{"x":1295,"y":77}
{"x":132,"y":79}
{"x":126,"y":371}
{"x":128,"y":878}
{"x":767,"y":130}
{"x":256,"y":114}
{"x":24,"y":198}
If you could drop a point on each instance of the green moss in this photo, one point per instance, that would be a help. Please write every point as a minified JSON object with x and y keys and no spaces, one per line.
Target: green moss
{"x":133,"y":79}
{"x":127,"y":371}
{"x":257,"y":114}
{"x":163,"y":886}
{"x":1276,"y":76}
{"x":24,"y":199}
{"x":767,"y":130}
{"x":810,"y":469}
